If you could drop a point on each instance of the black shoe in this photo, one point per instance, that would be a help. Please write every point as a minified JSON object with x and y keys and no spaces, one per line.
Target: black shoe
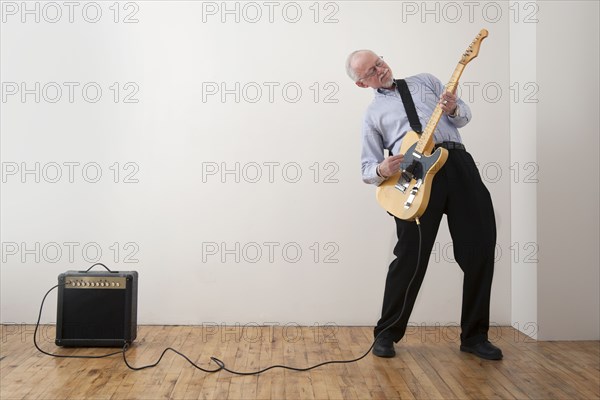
{"x":384,"y":347}
{"x":484,"y":350}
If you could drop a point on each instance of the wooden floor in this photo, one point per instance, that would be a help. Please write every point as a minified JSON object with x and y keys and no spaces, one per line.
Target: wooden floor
{"x":428,"y":365}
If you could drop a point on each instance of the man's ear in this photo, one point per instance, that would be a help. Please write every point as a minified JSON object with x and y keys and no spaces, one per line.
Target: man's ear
{"x":360,"y":84}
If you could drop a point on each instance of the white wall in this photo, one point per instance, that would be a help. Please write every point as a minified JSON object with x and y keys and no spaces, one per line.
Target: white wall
{"x":567,"y":152}
{"x":555,"y":279}
{"x":162,"y":223}
{"x":524,"y":167}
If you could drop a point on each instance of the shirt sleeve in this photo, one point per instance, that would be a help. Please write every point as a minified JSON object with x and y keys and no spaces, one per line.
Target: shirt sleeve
{"x":464,"y":114}
{"x":464,"y":111}
{"x":372,"y":154}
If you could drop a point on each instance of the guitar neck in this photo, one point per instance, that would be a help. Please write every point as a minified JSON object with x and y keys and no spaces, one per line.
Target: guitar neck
{"x":426,"y":140}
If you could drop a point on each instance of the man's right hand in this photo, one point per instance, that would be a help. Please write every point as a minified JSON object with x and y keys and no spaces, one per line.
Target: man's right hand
{"x":390,"y":165}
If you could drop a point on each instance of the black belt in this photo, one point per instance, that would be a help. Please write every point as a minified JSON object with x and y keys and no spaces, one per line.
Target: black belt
{"x":450,"y":146}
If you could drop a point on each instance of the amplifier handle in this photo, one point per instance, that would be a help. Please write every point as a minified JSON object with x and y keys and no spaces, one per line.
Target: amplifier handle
{"x":113,"y":272}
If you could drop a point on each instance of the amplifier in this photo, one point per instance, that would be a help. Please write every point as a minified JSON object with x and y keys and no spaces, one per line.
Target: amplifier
{"x":96,"y":308}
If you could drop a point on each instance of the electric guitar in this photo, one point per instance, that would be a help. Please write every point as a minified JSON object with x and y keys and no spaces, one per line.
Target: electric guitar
{"x":406,"y":194}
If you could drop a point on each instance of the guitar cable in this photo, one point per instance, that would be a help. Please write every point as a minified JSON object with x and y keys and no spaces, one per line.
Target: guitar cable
{"x":221,"y":366}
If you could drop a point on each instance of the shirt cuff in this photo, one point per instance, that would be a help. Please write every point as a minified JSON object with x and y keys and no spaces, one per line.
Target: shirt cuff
{"x":456,"y":112}
{"x":372,"y":177}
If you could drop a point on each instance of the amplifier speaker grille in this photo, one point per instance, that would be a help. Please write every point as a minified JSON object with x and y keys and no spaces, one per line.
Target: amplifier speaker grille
{"x":96,"y":308}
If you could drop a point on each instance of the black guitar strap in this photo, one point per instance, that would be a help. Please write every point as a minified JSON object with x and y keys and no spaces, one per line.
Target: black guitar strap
{"x":409,"y":106}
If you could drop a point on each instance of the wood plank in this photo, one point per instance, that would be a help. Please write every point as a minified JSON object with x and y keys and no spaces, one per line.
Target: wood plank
{"x":203,"y":384}
{"x":428,"y":365}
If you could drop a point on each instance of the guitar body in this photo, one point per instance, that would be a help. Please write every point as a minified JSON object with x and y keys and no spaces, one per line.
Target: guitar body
{"x":406,"y":194}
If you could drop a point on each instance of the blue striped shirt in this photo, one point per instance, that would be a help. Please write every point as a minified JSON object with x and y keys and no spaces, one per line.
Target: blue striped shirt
{"x":385,"y":122}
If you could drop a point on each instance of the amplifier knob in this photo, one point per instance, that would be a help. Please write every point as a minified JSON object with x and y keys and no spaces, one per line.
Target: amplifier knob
{"x":118,"y":284}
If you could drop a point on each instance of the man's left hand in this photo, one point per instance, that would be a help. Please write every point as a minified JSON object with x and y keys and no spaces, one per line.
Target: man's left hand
{"x":448,"y":102}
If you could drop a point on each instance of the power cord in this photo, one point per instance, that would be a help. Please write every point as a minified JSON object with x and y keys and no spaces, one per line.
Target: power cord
{"x":122,"y":351}
{"x":220,"y":364}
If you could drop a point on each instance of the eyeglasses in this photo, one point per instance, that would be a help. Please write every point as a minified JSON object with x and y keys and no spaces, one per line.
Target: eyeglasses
{"x":373,"y":70}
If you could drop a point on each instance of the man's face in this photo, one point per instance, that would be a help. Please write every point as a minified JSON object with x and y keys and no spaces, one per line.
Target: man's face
{"x":372,"y":71}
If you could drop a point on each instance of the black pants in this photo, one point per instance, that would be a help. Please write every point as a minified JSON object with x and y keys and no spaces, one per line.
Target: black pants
{"x":458,"y":192}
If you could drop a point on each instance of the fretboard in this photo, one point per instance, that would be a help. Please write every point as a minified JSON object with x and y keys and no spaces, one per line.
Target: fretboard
{"x":427,"y":137}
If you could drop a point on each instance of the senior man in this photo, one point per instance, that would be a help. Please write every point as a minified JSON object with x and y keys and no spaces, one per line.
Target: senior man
{"x":457,"y":191}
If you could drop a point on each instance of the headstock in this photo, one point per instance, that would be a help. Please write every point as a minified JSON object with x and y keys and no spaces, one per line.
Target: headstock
{"x":473,"y":49}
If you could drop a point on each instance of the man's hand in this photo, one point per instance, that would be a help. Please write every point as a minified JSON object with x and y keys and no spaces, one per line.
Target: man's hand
{"x":448,"y":102}
{"x":390,"y":165}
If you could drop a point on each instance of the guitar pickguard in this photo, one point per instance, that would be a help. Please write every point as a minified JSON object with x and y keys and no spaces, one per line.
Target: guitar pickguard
{"x":415,"y":167}
{"x":405,"y":195}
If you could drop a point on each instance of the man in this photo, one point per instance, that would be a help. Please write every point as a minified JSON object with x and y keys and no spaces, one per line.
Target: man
{"x":457,"y":191}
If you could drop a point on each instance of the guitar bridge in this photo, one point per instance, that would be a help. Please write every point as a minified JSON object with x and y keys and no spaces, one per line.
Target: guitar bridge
{"x":413,"y":194}
{"x":413,"y":171}
{"x":404,"y":181}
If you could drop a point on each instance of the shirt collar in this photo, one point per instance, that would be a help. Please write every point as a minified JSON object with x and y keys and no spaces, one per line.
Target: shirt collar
{"x":387,"y":92}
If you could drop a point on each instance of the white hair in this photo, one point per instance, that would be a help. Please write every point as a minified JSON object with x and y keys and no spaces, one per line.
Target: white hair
{"x":349,"y":70}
